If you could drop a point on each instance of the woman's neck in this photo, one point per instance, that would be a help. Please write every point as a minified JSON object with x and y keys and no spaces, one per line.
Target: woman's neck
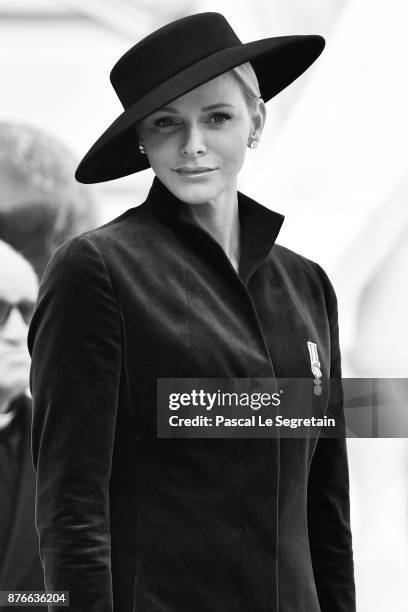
{"x":221,"y":219}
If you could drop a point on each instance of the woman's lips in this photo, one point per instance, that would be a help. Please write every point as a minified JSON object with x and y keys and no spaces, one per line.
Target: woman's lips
{"x":193,"y":173}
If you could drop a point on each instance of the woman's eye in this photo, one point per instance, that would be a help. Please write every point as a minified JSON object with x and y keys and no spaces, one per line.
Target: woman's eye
{"x":164,"y":122}
{"x":219,"y":117}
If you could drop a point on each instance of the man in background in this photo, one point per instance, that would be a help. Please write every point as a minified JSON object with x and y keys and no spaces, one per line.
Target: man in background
{"x":20,"y":567}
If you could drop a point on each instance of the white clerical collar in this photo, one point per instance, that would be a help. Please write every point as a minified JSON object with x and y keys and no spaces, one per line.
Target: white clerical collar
{"x":6,"y":418}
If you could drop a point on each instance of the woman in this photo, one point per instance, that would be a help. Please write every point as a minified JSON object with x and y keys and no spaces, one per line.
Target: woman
{"x":188,"y":284}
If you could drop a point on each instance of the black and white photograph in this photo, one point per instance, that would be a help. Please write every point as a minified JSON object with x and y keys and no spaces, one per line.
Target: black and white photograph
{"x":203,"y":330}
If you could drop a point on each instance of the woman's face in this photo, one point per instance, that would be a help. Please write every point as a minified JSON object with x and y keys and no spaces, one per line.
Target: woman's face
{"x":196,"y":145}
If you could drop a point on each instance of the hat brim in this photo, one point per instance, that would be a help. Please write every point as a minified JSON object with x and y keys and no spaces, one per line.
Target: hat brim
{"x":277,"y":63}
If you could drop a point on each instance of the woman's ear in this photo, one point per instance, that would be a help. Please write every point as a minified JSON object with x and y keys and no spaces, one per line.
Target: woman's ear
{"x":258,"y":120}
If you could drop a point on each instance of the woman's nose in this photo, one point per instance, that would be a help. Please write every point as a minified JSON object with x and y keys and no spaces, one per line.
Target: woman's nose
{"x":15,"y":330}
{"x":193,"y":142}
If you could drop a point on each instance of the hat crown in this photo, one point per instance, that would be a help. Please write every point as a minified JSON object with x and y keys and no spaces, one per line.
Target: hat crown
{"x":182,"y":43}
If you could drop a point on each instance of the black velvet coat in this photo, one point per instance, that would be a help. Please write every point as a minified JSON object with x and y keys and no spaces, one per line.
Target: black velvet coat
{"x":129,"y":522}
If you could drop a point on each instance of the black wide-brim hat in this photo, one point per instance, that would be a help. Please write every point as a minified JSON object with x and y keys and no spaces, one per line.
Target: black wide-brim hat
{"x":172,"y":61}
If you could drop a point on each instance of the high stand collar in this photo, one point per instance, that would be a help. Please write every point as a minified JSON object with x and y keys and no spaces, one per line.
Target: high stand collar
{"x":260,"y":225}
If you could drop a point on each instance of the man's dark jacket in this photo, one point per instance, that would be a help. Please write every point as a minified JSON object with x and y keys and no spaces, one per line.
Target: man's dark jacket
{"x":131,"y":522}
{"x":20,"y":565}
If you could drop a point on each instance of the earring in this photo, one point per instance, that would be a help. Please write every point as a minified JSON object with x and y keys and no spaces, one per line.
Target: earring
{"x":142,"y":149}
{"x":253,"y":144}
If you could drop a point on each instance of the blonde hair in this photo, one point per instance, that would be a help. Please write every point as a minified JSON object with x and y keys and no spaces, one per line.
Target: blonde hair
{"x":247,"y":79}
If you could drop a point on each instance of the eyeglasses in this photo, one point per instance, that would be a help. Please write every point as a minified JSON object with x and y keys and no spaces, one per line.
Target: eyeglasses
{"x":26,"y":308}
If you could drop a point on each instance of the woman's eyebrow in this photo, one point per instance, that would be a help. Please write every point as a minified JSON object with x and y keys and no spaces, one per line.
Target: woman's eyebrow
{"x":169,"y":109}
{"x":212,"y":106}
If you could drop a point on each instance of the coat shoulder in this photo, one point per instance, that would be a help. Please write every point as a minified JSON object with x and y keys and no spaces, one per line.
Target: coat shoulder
{"x":106,"y":239}
{"x":294,"y":264}
{"x":288,"y":255}
{"x":299,"y":271}
{"x":132,"y":220}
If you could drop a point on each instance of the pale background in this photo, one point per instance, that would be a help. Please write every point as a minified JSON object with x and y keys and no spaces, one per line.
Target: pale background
{"x":333,"y":159}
